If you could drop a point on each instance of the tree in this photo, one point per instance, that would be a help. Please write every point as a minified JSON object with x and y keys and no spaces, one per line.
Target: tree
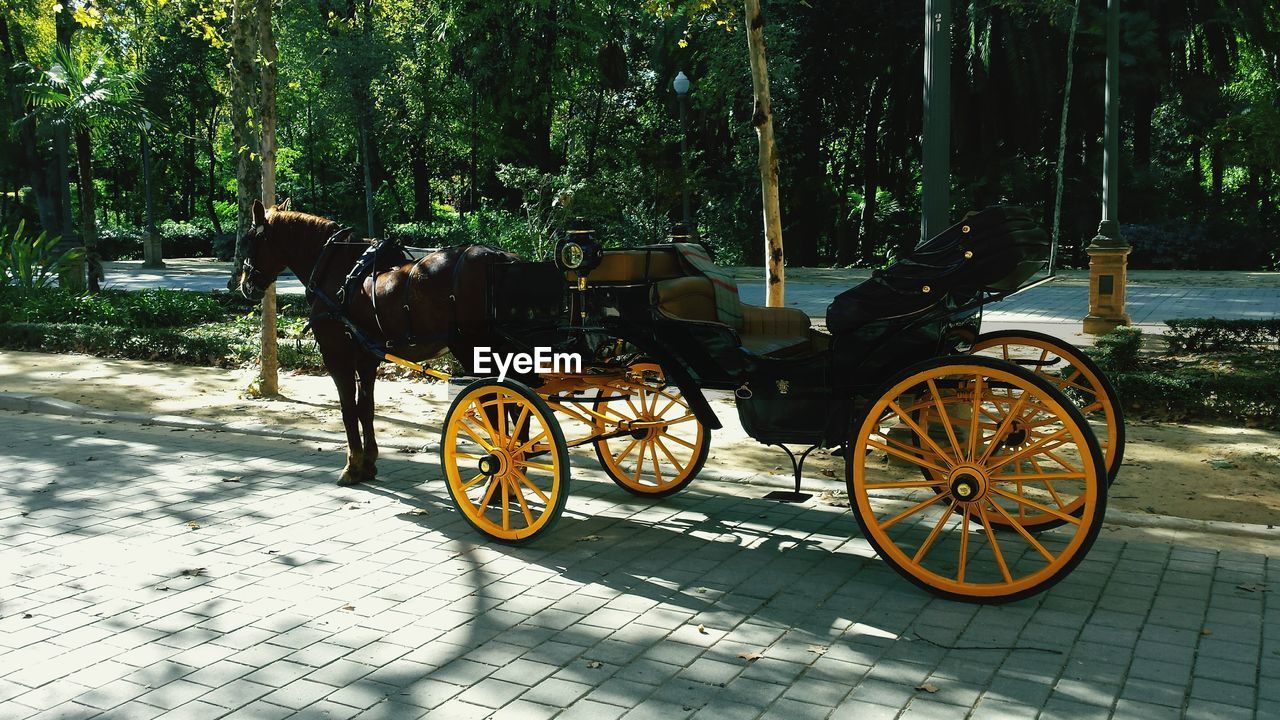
{"x":253,"y":117}
{"x":83,"y":96}
{"x":762,"y":119}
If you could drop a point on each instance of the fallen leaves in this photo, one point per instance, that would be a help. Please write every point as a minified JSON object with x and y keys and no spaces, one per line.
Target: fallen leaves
{"x":835,"y":498}
{"x":590,"y":538}
{"x":751,"y":655}
{"x":349,"y":608}
{"x":192,"y":524}
{"x":233,"y":478}
{"x":594,"y":664}
{"x":194,"y":572}
{"x":1252,"y":587}
{"x":817,"y":650}
{"x":702,"y":629}
{"x":418,"y":511}
{"x":927,"y":687}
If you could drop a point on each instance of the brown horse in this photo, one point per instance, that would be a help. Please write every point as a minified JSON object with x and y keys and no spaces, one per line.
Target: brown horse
{"x":418,"y":310}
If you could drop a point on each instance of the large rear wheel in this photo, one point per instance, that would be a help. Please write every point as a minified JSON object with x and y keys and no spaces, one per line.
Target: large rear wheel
{"x":505,"y":461}
{"x":1005,"y":443}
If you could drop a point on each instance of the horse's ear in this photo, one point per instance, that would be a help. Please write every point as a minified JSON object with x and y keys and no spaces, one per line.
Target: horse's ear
{"x":284,"y":204}
{"x":259,"y":215}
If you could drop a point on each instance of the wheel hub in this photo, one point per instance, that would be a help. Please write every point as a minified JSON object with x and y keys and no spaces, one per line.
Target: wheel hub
{"x":491,"y":464}
{"x":967,"y":484}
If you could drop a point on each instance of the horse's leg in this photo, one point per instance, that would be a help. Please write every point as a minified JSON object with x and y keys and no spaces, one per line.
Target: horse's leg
{"x":340,"y":361}
{"x":366,"y":372}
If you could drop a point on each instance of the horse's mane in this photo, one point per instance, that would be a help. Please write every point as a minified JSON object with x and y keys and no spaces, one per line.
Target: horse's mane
{"x":299,"y":222}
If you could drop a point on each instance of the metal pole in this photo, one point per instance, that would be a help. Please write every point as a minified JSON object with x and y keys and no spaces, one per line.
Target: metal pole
{"x":684,"y":162}
{"x":936,"y":141}
{"x":1109,"y":253}
{"x":1109,"y":229}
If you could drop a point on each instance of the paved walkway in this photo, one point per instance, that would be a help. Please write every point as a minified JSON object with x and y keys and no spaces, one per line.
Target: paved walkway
{"x":232,"y":578}
{"x":1055,"y":307}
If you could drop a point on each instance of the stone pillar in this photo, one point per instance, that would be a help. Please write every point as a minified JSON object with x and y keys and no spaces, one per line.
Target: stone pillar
{"x":1108,"y":277}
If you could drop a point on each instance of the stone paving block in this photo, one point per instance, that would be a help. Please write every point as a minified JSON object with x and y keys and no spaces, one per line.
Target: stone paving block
{"x":858,"y":710}
{"x":363,"y":694}
{"x":133,"y":710}
{"x":1199,"y":709}
{"x":299,"y":694}
{"x":325,"y":710}
{"x":558,"y":693}
{"x":1137,"y":710}
{"x":172,"y":694}
{"x":259,"y":710}
{"x":237,"y":693}
{"x":1225,"y":693}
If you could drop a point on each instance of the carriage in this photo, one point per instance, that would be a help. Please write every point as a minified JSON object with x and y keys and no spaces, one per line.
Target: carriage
{"x":977,"y":465}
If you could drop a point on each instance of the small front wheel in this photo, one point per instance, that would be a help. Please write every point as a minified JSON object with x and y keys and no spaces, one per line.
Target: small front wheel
{"x":505,"y":461}
{"x":663,"y":454}
{"x":1004,"y":442}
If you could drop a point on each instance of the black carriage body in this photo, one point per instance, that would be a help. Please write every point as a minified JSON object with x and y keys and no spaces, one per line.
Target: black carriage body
{"x":921,"y":307}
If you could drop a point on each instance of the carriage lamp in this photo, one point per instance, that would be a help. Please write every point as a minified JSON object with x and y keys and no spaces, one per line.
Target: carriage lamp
{"x":578,"y":250}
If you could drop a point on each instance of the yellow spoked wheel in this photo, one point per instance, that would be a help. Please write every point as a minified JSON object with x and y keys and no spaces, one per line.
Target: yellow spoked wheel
{"x":505,"y":460}
{"x":1009,"y":444}
{"x":662,"y":456}
{"x":1072,"y":372}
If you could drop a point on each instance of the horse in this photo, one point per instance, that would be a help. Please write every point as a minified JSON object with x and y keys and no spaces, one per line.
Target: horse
{"x":421,"y":308}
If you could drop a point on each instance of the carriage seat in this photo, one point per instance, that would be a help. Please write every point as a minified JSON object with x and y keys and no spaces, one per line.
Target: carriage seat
{"x":762,"y":330}
{"x":639,"y":265}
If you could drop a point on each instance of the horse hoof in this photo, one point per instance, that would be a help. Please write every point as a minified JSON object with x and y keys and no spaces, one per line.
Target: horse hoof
{"x":368,"y":472}
{"x":349,"y":478}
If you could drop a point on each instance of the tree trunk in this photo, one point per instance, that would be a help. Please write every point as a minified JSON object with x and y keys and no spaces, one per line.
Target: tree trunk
{"x":1062,"y":138}
{"x":762,"y":119}
{"x":269,"y":367}
{"x":1217,"y":166}
{"x":871,"y":165}
{"x":211,"y":131}
{"x":244,"y":88}
{"x":421,"y":180}
{"x":88,"y":220}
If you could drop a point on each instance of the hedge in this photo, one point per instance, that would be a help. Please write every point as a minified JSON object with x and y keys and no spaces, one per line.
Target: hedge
{"x":1212,"y":335}
{"x":1192,"y":395}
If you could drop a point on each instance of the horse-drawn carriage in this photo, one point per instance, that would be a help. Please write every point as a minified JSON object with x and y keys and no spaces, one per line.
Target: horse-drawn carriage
{"x":977,"y":465}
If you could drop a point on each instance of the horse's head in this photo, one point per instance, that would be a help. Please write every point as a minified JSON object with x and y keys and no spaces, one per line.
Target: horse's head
{"x":263,"y":258}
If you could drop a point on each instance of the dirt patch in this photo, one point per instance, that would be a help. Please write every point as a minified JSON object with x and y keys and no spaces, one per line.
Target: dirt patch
{"x":1206,"y":472}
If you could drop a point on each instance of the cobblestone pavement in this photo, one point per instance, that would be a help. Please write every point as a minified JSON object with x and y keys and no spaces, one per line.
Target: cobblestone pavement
{"x":151,"y":572}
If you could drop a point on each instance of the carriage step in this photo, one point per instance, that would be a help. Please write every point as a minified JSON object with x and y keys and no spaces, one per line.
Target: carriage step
{"x":797,"y":467}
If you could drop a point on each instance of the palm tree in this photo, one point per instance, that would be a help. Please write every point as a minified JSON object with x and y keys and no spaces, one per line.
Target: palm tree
{"x":84,"y":95}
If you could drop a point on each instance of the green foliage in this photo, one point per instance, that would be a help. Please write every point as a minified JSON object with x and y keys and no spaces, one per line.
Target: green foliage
{"x":84,"y":93}
{"x":118,"y":308}
{"x":1118,"y":350}
{"x":33,"y":261}
{"x":1213,"y":335}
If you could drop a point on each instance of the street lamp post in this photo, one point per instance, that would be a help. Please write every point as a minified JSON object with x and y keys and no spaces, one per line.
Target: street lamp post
{"x":152,"y":253}
{"x":681,"y":86}
{"x":1109,"y":252}
{"x":935,"y":198}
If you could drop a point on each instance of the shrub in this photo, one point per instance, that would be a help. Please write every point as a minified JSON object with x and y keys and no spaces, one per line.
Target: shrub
{"x":1198,"y":394}
{"x":1212,"y":335}
{"x":120,"y":242}
{"x":142,"y":309}
{"x":33,"y":261}
{"x":193,"y":238}
{"x":1118,"y":350}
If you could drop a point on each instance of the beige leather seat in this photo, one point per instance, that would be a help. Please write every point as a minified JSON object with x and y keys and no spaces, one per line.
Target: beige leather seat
{"x":635,"y":266}
{"x":763,"y":330}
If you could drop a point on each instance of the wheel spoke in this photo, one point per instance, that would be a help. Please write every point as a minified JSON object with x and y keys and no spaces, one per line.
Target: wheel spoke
{"x":942,"y":415}
{"x":1037,"y":445}
{"x":905,"y":456}
{"x":681,"y":441}
{"x":657,"y":469}
{"x":475,"y":436}
{"x":506,"y":506}
{"x":537,"y":491}
{"x":920,"y":432}
{"x":532,"y":441}
{"x":472,"y":482}
{"x":524,"y":506}
{"x":1038,"y":506}
{"x":911,"y":511}
{"x":538,"y":466}
{"x":639,"y":466}
{"x":1031,"y":540}
{"x":904,"y":485}
{"x":663,"y":446}
{"x":483,"y":507}
{"x":995,"y":544}
{"x":627,"y":450}
{"x":964,"y":542}
{"x":973,"y":421}
{"x":933,"y":534}
{"x":1002,"y":430}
